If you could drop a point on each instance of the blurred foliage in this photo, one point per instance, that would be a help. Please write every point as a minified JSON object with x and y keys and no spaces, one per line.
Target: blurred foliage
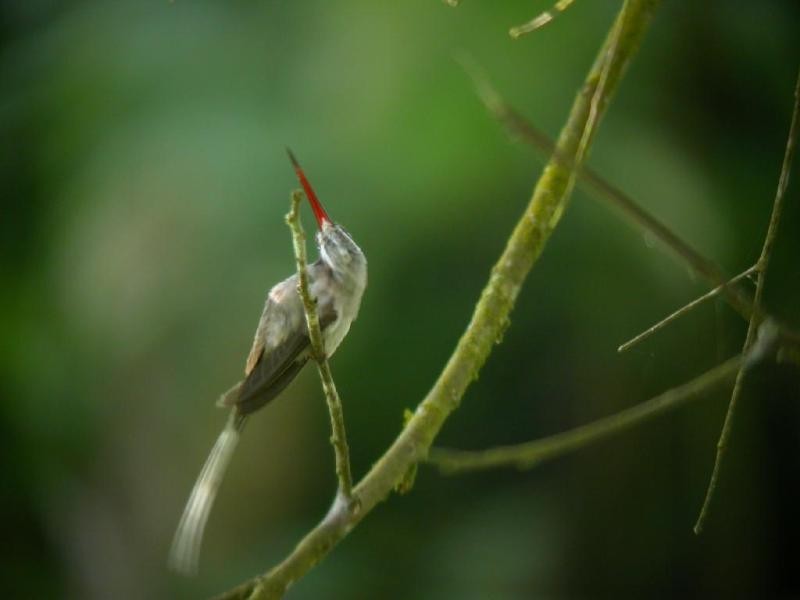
{"x":144,"y":185}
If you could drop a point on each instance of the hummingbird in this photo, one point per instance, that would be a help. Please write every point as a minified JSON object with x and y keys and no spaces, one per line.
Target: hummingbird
{"x":281,"y":347}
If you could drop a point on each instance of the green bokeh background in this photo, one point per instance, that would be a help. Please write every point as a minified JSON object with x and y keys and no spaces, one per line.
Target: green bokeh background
{"x":144,"y":186}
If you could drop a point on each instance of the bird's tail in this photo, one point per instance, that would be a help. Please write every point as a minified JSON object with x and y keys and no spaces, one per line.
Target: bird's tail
{"x":185,"y":551}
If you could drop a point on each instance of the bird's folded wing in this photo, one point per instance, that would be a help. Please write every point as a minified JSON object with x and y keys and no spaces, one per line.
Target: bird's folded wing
{"x":272,"y":364}
{"x":275,"y":366}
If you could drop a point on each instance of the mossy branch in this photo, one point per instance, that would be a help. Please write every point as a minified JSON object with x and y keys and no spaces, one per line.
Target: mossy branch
{"x":491,"y":314}
{"x":757,"y":316}
{"x":338,"y":436}
{"x":531,"y":454}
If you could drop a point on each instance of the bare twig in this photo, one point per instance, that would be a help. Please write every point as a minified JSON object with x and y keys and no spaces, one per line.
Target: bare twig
{"x":755,"y":320}
{"x":339,"y":436}
{"x":488,"y":321}
{"x":541,"y":20}
{"x":531,"y":454}
{"x":519,"y":126}
{"x":684,"y":309}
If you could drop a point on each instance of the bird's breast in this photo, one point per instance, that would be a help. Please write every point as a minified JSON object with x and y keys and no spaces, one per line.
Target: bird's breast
{"x":343,"y":296}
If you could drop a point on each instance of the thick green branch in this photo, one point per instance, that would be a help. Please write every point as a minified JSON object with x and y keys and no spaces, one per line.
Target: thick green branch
{"x":338,"y":437}
{"x":491,"y":314}
{"x":531,"y":454}
{"x":756,"y":318}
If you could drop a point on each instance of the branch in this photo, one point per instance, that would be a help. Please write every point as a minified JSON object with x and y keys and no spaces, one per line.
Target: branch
{"x":541,"y":20}
{"x":684,"y":309}
{"x":756,"y":318}
{"x":532,"y":454}
{"x":519,"y":126}
{"x":339,"y":437}
{"x":489,"y":319}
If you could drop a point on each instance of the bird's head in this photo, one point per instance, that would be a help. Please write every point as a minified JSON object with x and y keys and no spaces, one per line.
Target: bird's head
{"x":336,"y":246}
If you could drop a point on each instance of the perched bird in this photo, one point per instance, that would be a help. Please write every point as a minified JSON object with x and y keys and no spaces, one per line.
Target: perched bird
{"x":280,"y":349}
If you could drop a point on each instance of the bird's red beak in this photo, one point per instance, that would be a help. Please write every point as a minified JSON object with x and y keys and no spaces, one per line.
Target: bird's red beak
{"x":319,"y":212}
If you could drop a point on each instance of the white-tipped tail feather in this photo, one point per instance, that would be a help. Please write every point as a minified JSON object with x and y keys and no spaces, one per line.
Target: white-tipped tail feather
{"x":185,"y":552}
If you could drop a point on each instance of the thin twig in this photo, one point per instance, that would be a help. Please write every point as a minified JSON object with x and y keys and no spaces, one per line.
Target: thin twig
{"x":755,"y":320}
{"x":541,"y":20}
{"x":683,"y":310}
{"x":489,"y":320}
{"x":519,"y":126}
{"x":531,"y":454}
{"x":339,"y":436}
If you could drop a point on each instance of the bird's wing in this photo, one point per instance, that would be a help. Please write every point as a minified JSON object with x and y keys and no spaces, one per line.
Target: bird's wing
{"x":271,"y":364}
{"x":277,"y":354}
{"x":258,"y":342}
{"x":280,"y":316}
{"x":258,"y":396}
